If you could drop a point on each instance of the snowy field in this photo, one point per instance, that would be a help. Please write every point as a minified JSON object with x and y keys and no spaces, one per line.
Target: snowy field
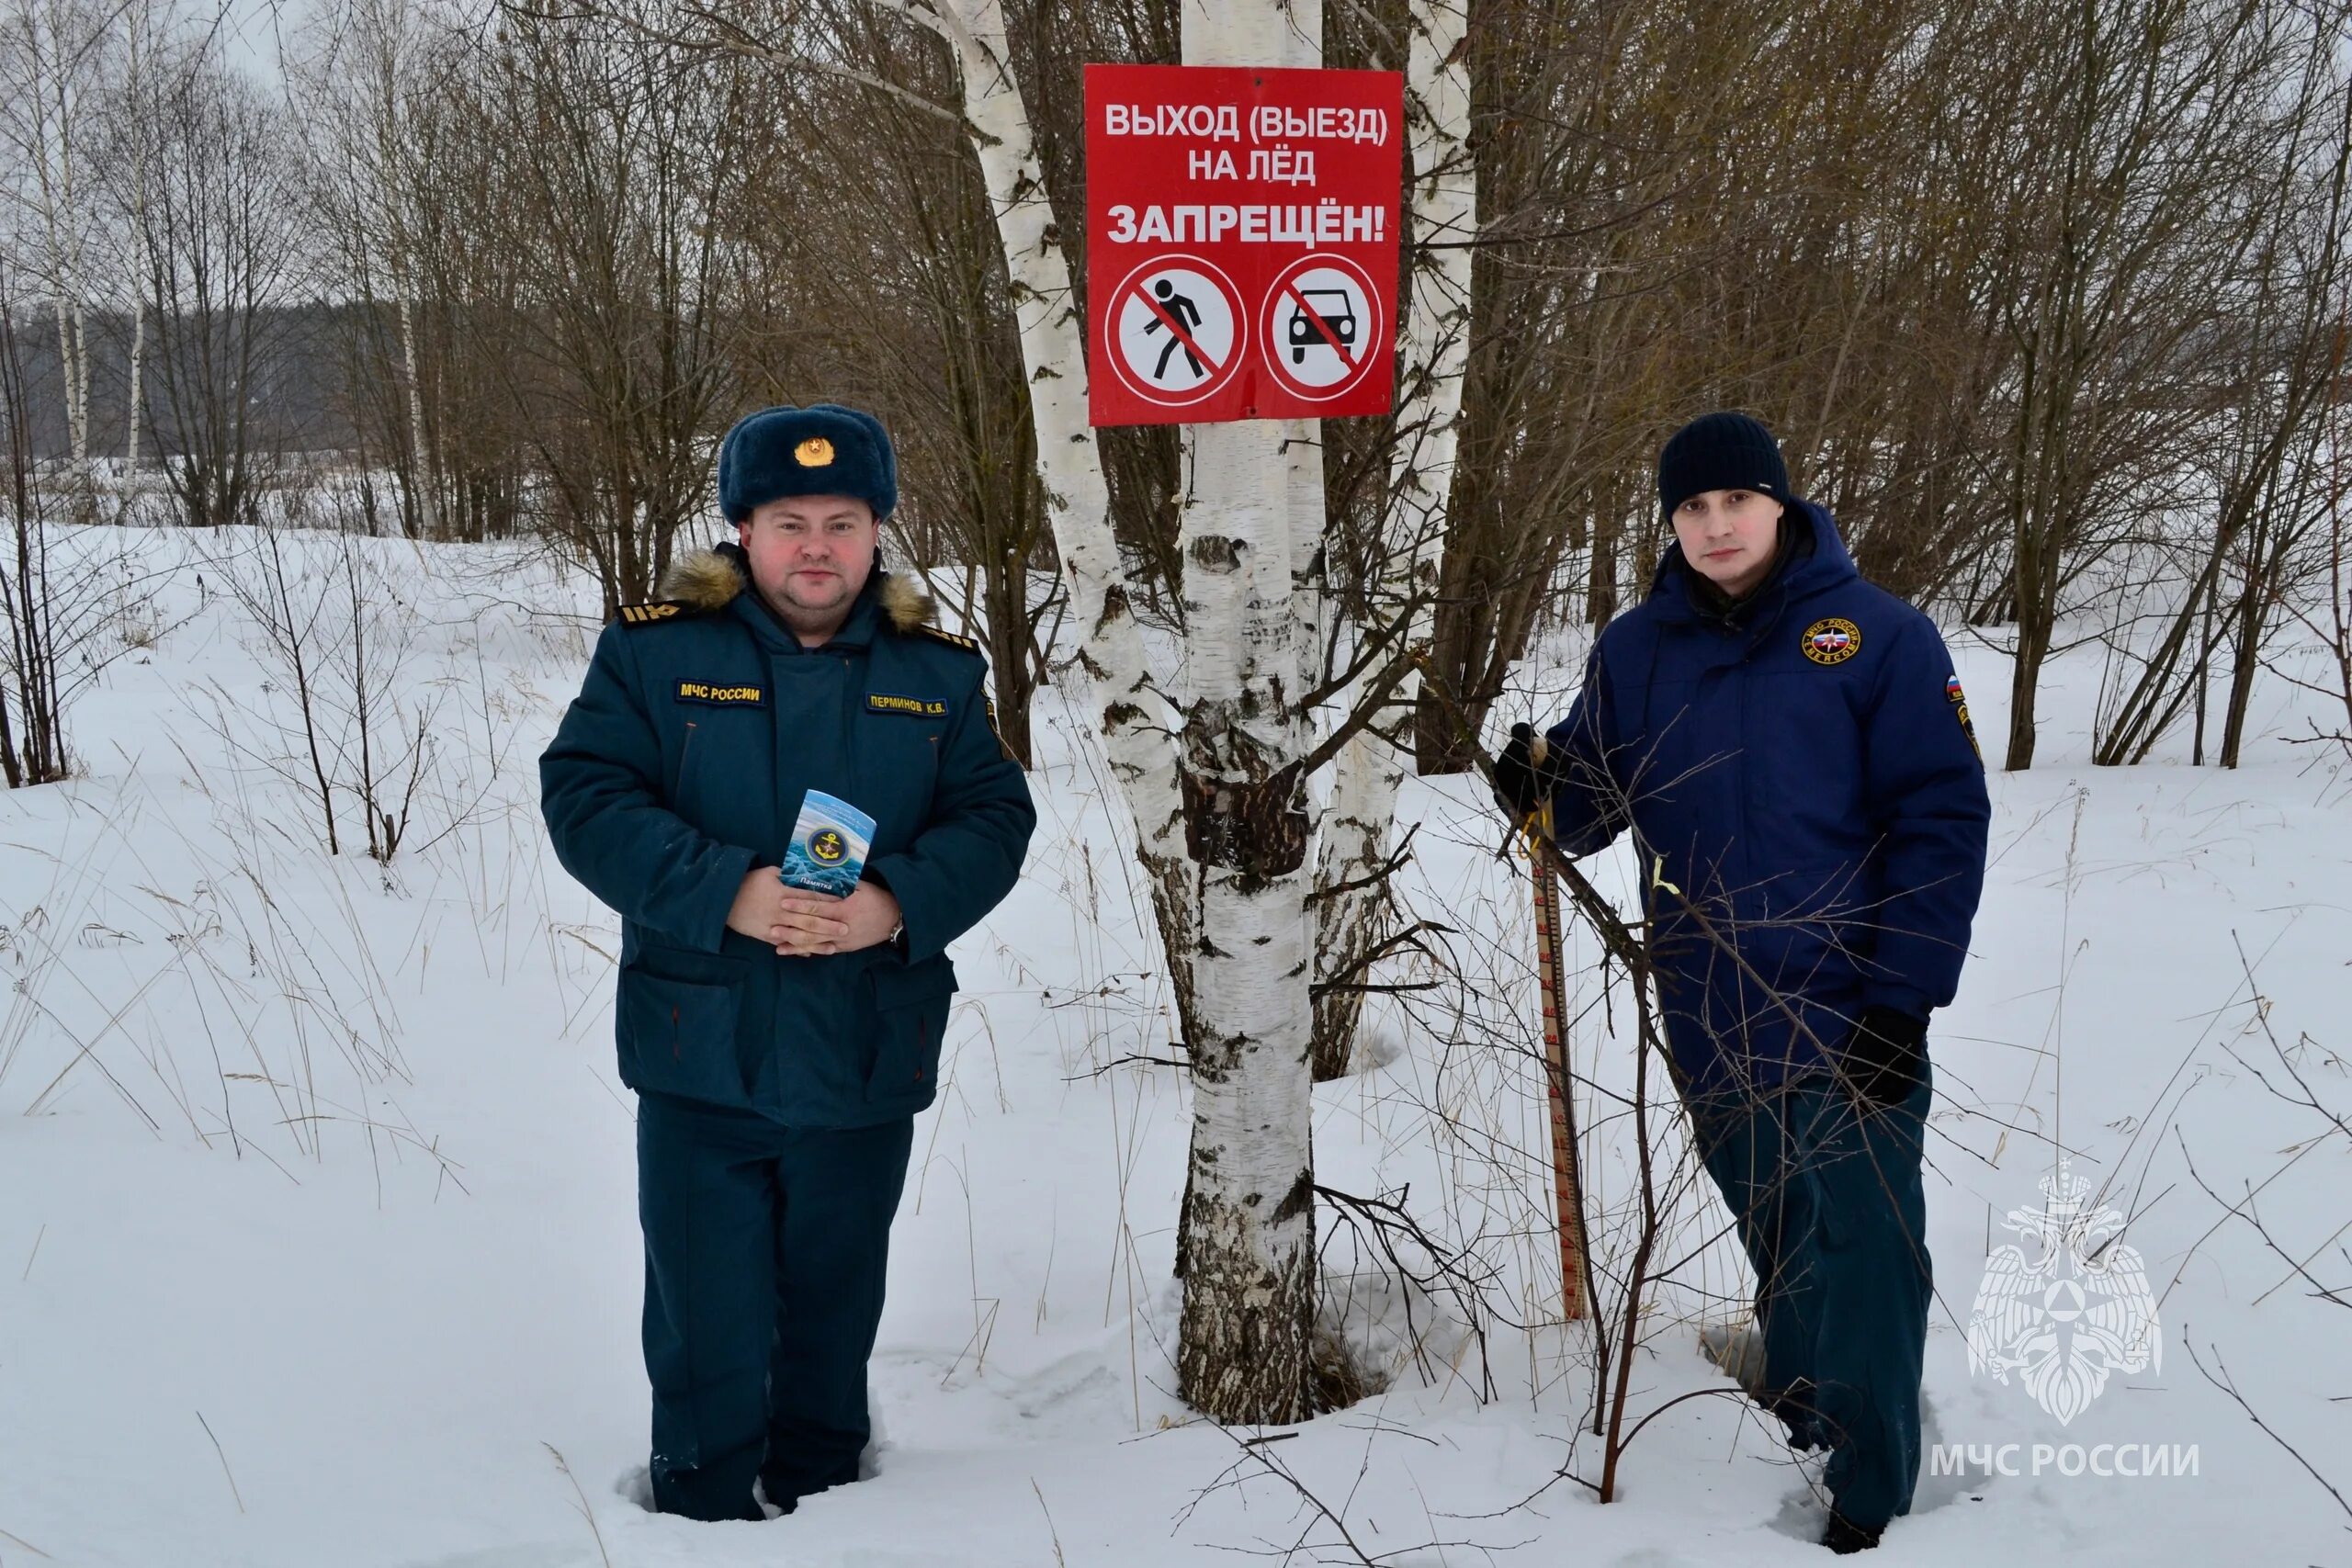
{"x":318,"y":1242}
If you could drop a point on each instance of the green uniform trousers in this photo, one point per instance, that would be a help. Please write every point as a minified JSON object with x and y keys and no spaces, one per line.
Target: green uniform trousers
{"x":765,"y":1247}
{"x":1829,"y":1209}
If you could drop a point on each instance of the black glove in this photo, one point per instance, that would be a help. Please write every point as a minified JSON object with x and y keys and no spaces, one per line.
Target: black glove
{"x":1522,"y":784}
{"x":1883,"y":1056}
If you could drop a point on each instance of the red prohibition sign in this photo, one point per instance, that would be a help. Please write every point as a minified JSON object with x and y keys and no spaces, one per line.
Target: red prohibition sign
{"x":1177,"y":331}
{"x":1321,"y":327}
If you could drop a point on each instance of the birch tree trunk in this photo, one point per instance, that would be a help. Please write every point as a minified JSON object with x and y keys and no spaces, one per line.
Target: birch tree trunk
{"x":391,"y":188}
{"x":62,"y":218}
{"x":1133,"y":720}
{"x":137,"y":61}
{"x":1434,"y":351}
{"x":1248,"y":1226}
{"x":426,"y":481}
{"x":138,"y":363}
{"x":45,"y":121}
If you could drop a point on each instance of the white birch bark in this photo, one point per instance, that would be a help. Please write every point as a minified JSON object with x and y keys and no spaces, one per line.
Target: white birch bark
{"x":137,"y":388}
{"x":428,"y":490}
{"x":389,"y":190}
{"x":62,"y":218}
{"x":1132,"y":718}
{"x":138,"y":61}
{"x":1249,"y":1243}
{"x":1434,"y":349}
{"x":1302,"y":477}
{"x":1243,"y":1347}
{"x":44,"y":122}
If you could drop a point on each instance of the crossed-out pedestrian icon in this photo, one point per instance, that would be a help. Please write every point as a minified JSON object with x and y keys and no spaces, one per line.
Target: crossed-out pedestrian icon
{"x":1181,"y":318}
{"x":1176,"y":329}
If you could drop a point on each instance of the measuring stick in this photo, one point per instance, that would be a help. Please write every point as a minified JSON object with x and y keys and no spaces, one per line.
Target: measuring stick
{"x":1541,"y":857}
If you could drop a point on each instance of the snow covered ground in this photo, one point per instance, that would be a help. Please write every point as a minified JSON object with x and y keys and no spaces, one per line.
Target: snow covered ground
{"x":318,"y":1242}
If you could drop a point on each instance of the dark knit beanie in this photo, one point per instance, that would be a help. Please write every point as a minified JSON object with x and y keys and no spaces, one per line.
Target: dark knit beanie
{"x":1720,"y":451}
{"x":823,"y":449}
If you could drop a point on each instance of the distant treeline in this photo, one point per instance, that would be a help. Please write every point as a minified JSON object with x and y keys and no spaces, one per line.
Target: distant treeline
{"x":297,"y":400}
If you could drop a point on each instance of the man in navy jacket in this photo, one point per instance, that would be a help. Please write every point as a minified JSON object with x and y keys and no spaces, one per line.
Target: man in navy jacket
{"x":780,"y":1041}
{"x":1792,"y":750}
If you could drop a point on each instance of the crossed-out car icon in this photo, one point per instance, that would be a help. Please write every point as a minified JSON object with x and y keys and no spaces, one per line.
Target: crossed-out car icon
{"x":1335,"y":307}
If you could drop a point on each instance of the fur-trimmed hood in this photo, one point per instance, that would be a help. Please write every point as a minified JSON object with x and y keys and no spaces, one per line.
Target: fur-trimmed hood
{"x":705,"y":581}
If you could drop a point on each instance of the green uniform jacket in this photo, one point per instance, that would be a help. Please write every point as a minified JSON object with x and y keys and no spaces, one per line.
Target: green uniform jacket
{"x":682,"y":764}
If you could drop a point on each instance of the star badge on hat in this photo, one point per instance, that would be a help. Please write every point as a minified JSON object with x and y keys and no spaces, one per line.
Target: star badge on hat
{"x":814,"y":453}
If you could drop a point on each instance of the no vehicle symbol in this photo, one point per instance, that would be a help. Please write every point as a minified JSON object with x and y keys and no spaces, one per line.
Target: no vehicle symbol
{"x":1322,"y":323}
{"x":1176,"y":329}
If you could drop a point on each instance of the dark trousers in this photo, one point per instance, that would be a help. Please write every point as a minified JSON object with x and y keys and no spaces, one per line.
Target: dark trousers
{"x":764,"y":1252}
{"x":1829,"y":1209}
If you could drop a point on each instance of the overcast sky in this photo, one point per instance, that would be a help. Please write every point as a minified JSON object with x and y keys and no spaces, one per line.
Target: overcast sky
{"x":250,"y":30}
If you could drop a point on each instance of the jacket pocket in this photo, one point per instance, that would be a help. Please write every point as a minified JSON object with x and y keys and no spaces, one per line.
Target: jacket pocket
{"x":911,"y":1002}
{"x":678,"y":1037}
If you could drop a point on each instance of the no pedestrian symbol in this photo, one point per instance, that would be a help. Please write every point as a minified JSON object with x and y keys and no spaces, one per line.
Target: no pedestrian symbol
{"x":1178,"y":331}
{"x":1322,"y":322}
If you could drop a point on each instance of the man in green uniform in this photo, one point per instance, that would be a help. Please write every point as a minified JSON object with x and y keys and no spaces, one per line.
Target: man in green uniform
{"x":780,"y":1041}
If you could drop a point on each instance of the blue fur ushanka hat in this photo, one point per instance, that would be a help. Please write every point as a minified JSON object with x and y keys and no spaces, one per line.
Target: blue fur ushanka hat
{"x":823,"y":449}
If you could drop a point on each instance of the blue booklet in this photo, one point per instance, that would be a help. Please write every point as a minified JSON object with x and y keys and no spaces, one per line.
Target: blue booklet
{"x":829,"y":846}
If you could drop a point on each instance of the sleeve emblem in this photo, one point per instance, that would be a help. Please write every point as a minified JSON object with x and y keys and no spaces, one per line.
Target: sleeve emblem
{"x":1959,"y":708}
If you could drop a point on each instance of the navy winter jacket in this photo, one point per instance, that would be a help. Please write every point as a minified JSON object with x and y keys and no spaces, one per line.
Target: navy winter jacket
{"x":682,"y":764}
{"x":1808,"y":798}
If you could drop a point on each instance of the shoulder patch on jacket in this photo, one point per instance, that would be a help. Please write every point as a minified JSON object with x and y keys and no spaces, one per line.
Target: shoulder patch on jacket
{"x":645,"y":615}
{"x":953,"y":639}
{"x":1960,"y":707}
{"x":987,"y":707}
